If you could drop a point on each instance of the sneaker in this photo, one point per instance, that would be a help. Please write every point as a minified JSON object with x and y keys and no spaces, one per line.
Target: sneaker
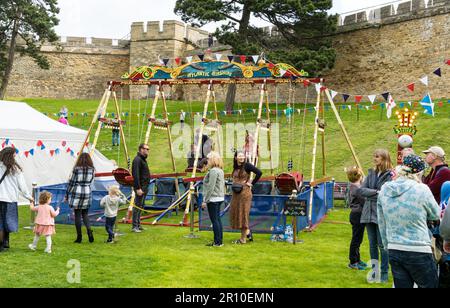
{"x":356,"y":266}
{"x":49,"y":251}
{"x":32,"y":247}
{"x":141,"y":229}
{"x":210,"y":244}
{"x":363,"y":264}
{"x":136,"y":230}
{"x":218,"y":245}
{"x":109,"y":241}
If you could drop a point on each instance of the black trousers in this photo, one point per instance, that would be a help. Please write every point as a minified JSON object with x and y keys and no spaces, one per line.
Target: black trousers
{"x":357,"y":237}
{"x":82,"y":215}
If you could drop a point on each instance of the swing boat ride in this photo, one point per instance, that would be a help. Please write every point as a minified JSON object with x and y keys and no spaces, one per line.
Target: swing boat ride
{"x":211,"y":73}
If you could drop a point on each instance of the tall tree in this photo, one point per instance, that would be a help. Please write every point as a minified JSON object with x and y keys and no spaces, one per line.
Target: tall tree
{"x":24,"y":26}
{"x":302,"y":37}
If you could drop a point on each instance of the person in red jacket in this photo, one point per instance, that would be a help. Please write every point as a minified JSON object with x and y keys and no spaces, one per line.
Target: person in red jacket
{"x":440,"y":173}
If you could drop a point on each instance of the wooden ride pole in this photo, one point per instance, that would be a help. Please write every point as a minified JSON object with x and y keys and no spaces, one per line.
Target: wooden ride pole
{"x":344,"y":131}
{"x":314,"y":153}
{"x":99,"y":126}
{"x":122,"y":134}
{"x":94,"y":120}
{"x":262,"y":95}
{"x":269,"y":138}
{"x":152,"y":116}
{"x":219,"y":131}
{"x":324,"y":163}
{"x":197,"y":153}
{"x":169,"y":136}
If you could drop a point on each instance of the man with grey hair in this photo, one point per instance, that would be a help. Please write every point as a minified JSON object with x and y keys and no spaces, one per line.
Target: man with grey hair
{"x":440,"y":173}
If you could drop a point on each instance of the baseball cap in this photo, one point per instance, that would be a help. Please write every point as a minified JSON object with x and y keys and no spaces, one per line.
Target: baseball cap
{"x":438,"y":151}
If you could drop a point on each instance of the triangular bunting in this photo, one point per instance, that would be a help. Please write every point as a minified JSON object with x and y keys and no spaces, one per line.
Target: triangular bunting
{"x":345,"y":97}
{"x":306,"y":83}
{"x":178,"y":60}
{"x":428,"y":105}
{"x":386,"y":95}
{"x":333,"y":94}
{"x":255,"y":59}
{"x":189,"y":59}
{"x":201,"y":57}
{"x":218,"y":56}
{"x":282,"y":72}
{"x":52,"y":152}
{"x":372,"y":98}
{"x":447,"y":62}
{"x":358,"y":98}
{"x":438,"y":72}
{"x":243,"y":59}
{"x":424,"y":80}
{"x":390,"y":105}
{"x":349,"y":107}
{"x":411,"y":87}
{"x":230,"y":58}
{"x":318,"y":87}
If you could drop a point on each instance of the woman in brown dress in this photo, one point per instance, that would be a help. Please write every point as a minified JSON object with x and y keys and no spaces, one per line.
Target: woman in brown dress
{"x":241,"y":201}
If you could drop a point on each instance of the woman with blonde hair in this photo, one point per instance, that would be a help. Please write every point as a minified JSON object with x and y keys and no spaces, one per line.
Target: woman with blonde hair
{"x":370,"y":188}
{"x":214,"y":195}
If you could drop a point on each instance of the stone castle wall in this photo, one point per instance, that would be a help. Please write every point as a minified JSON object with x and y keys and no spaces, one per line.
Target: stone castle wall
{"x":377,"y":51}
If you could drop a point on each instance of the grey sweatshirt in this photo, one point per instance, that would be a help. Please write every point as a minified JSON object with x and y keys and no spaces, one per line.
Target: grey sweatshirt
{"x":111,"y":205}
{"x":213,"y":185}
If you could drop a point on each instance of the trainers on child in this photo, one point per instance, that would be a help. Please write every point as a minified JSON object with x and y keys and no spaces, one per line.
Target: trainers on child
{"x":136,"y":230}
{"x":49,"y":251}
{"x":32,"y":247}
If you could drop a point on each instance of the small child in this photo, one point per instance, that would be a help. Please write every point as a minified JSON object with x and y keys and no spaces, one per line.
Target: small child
{"x":45,"y":221}
{"x":111,"y":204}
{"x":355,"y":176}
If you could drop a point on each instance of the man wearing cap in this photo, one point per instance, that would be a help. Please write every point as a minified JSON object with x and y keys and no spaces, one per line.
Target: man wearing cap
{"x":440,"y":173}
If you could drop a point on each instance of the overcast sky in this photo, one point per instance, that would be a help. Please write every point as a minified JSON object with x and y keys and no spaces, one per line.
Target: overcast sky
{"x":112,"y":18}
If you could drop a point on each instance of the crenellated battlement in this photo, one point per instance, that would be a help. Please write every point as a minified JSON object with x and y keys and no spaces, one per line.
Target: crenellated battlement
{"x":393,"y":12}
{"x":166,"y":30}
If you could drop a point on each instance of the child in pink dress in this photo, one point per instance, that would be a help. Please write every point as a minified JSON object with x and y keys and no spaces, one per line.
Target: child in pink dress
{"x":44,"y":224}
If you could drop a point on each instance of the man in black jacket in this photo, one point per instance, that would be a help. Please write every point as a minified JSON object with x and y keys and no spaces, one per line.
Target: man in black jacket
{"x":141,"y":176}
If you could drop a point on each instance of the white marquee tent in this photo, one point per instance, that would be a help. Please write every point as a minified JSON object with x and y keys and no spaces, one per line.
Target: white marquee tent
{"x":46,"y":149}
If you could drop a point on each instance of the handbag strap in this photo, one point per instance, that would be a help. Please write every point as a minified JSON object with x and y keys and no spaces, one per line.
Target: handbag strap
{"x":4,"y":176}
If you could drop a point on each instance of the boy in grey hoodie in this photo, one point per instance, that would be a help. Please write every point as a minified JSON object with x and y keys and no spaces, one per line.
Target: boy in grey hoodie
{"x":111,"y":204}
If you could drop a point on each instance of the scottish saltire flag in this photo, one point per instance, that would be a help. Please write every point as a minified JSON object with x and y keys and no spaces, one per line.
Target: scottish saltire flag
{"x":390,"y":105}
{"x":428,"y":105}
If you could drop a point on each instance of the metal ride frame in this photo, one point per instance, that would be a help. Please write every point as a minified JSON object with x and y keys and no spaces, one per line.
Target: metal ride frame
{"x":172,"y":79}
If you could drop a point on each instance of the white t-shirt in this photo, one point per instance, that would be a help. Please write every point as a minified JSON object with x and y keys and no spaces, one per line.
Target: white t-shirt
{"x":12,"y":186}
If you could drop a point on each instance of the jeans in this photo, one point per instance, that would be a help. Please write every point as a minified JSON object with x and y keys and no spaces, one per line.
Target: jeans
{"x":109,"y":226}
{"x":139,"y":202}
{"x":357,"y":237}
{"x":115,"y":137}
{"x":376,"y":247}
{"x":413,"y":267}
{"x":82,"y":214}
{"x":214,"y":215}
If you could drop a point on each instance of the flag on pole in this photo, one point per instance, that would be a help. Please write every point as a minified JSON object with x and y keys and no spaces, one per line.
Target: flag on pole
{"x":428,"y":105}
{"x":390,"y":105}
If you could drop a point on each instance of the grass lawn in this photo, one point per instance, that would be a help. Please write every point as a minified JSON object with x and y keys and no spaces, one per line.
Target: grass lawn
{"x":162,"y":257}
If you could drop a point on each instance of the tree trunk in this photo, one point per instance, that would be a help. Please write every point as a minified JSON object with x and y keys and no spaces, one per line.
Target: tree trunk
{"x":231,"y":96}
{"x":9,"y":64}
{"x":243,"y":29}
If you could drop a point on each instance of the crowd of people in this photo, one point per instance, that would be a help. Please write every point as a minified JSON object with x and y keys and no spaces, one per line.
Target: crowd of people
{"x":406,"y":218}
{"x":405,"y":213}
